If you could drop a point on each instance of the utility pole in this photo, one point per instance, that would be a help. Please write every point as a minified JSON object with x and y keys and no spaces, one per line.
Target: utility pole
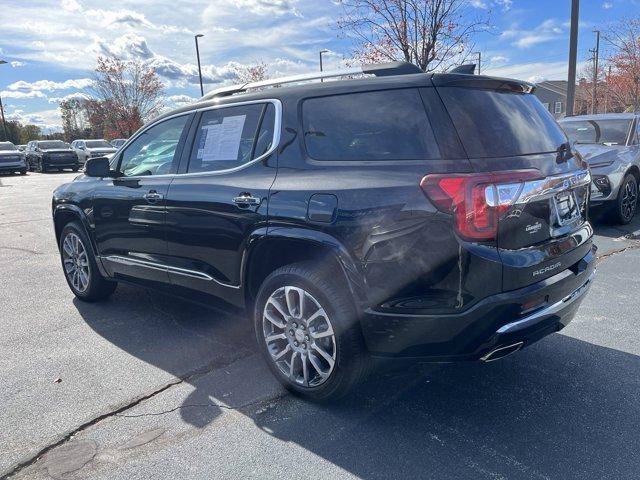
{"x":596,"y":58}
{"x":606,"y":92}
{"x":573,"y":54}
{"x":199,"y":35}
{"x":4,"y":122}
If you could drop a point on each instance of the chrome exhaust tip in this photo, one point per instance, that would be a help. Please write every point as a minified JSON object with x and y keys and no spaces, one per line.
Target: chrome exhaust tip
{"x":501,"y":352}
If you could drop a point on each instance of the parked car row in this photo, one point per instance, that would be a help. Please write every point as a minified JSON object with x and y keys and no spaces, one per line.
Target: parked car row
{"x":11,"y":159}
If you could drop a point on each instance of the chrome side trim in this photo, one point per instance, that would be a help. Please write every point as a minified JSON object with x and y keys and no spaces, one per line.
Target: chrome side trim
{"x":550,"y":310}
{"x":512,"y":349}
{"x":135,"y":262}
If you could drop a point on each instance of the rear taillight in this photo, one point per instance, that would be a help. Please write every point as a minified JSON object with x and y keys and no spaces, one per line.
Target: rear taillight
{"x":476,"y":200}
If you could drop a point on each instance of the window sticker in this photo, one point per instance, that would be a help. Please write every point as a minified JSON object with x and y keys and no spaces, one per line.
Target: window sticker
{"x":221,"y":141}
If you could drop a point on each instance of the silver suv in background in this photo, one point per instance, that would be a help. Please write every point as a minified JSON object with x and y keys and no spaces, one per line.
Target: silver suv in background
{"x":610,"y":144}
{"x":86,"y":149}
{"x":118,"y":142}
{"x":12,"y":159}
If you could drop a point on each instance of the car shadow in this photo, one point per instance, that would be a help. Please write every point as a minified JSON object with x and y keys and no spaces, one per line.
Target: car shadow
{"x":605,"y":227}
{"x":562,"y":408}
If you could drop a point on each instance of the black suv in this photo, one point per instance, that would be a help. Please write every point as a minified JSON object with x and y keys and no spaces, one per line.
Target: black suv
{"x":432,"y":216}
{"x":46,"y":155}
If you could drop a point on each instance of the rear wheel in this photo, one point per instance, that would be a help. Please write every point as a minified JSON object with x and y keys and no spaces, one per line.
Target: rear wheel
{"x":79,"y":265}
{"x":627,"y":201}
{"x":307,"y":328}
{"x":23,"y":171}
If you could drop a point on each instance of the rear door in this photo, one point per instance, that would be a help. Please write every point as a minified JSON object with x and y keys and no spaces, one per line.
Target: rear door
{"x":538,"y":184}
{"x":218,"y":202}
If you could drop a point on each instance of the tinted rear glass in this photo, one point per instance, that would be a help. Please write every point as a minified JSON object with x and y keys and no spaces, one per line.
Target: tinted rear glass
{"x":97,"y":144}
{"x":382,"y":125}
{"x":610,"y":132}
{"x":501,"y":124}
{"x":52,"y":144}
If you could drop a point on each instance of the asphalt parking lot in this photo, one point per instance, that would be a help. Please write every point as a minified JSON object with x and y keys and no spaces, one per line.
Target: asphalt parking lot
{"x":145,"y":386}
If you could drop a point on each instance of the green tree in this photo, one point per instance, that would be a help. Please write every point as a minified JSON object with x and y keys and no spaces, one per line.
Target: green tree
{"x":28,"y":133}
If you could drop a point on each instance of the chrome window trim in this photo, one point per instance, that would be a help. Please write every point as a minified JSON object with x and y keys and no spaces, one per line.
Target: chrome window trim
{"x":276,"y":137}
{"x":165,"y":268}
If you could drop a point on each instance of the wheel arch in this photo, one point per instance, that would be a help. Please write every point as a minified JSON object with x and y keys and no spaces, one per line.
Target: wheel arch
{"x":285,"y":246}
{"x":635,"y":171}
{"x":62,"y":215}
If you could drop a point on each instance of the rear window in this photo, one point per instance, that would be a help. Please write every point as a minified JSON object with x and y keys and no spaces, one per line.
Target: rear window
{"x":500,"y":124}
{"x":52,"y":144}
{"x":381,"y":125}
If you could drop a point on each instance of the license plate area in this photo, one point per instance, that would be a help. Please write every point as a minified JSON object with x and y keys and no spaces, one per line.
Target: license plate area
{"x":566,"y":208}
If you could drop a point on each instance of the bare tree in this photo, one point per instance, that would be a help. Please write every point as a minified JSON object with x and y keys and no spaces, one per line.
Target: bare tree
{"x":129,"y":93}
{"x":431,"y":34}
{"x":624,"y":39}
{"x":252,"y":73}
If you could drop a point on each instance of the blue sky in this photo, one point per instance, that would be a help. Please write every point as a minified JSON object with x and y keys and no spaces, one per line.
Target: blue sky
{"x":52,"y":45}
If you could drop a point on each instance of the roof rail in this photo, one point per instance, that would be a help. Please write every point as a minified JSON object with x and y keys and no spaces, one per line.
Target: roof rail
{"x":378,"y":69}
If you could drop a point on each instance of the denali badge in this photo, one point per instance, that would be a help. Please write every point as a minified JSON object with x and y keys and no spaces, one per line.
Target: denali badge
{"x":534,"y":228}
{"x":547,"y":269}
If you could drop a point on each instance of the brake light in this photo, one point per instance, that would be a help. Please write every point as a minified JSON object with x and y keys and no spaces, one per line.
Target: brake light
{"x":476,"y":200}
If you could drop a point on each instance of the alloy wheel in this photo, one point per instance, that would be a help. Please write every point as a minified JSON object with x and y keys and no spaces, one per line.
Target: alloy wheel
{"x":299,"y":336}
{"x":76,"y":262}
{"x":629,"y":199}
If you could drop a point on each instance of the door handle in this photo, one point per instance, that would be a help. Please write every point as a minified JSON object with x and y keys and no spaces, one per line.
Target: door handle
{"x":245,"y":200}
{"x":152,"y":196}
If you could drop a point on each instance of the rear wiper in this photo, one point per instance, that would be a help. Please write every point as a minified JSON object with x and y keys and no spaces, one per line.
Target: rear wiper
{"x":564,"y":153}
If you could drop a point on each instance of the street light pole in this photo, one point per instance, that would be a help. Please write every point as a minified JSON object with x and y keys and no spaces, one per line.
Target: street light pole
{"x":4,"y":122}
{"x":321,"y":52}
{"x":199,"y":68}
{"x":573,"y":55}
{"x":479,"y":62}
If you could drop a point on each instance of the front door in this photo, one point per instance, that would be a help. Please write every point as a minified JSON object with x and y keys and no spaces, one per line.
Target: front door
{"x":220,"y":200}
{"x":129,"y":210}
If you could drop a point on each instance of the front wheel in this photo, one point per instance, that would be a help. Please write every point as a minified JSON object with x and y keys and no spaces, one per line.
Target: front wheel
{"x":307,"y":328}
{"x":627,"y":201}
{"x":79,"y":265}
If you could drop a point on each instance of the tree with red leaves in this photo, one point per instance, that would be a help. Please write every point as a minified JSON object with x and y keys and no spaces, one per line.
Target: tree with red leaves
{"x":252,"y":73}
{"x":126,"y":94}
{"x":624,"y":81}
{"x":432,"y":34}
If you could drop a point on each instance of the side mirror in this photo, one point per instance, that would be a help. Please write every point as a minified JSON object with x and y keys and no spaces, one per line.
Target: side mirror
{"x":97,"y":167}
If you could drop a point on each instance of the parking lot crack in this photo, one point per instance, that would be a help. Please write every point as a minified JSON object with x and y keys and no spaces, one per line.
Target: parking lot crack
{"x":607,"y":255}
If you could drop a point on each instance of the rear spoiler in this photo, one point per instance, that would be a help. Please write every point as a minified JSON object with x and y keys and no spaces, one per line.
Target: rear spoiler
{"x":482,"y":82}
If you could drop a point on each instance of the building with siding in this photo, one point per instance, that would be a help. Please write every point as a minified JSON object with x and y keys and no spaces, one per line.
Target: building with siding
{"x":553,"y":95}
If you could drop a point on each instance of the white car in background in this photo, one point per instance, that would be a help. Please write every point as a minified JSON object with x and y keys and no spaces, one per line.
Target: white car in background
{"x":86,"y":149}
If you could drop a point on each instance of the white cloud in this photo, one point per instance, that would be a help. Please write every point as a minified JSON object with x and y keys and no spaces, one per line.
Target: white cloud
{"x":181,"y":99}
{"x":71,"y":5}
{"x":71,"y":96}
{"x":48,"y":120}
{"x":607,"y":5}
{"x":19,"y":94}
{"x":543,"y":70}
{"x":17,"y":64}
{"x":548,"y":30}
{"x":496,"y":59}
{"x":49,"y":85}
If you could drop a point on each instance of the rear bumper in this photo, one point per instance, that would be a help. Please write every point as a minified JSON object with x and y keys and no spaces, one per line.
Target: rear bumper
{"x":493,"y":323}
{"x":12,"y":166}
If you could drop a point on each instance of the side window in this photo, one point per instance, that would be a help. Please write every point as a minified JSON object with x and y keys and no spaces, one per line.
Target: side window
{"x":153,"y":151}
{"x":558,"y":107}
{"x":226,"y":137}
{"x":381,"y":125}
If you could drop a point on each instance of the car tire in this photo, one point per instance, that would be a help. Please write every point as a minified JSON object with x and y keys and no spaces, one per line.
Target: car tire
{"x":75,"y":169}
{"x":316,"y":351}
{"x":626,"y":204}
{"x":23,"y":171}
{"x":79,"y":265}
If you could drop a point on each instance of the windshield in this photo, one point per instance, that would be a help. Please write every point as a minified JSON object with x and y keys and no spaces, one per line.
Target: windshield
{"x":98,"y":144}
{"x":604,"y":132}
{"x":500,"y":124}
{"x":52,"y":144}
{"x":7,"y":146}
